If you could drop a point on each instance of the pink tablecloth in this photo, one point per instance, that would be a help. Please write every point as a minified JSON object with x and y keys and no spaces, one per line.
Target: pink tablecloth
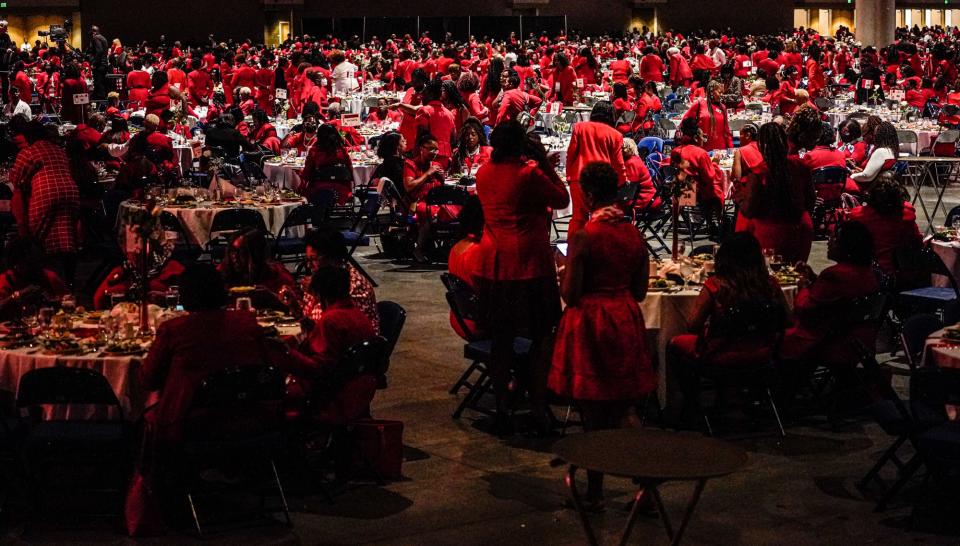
{"x":949,"y":252}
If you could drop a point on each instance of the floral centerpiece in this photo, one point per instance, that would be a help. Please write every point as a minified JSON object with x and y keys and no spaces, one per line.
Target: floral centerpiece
{"x":146,"y":227}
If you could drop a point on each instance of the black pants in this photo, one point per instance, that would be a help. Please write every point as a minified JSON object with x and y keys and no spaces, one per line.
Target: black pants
{"x":520,"y":308}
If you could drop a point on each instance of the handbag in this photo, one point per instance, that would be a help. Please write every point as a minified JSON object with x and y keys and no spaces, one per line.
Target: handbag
{"x":379,"y":443}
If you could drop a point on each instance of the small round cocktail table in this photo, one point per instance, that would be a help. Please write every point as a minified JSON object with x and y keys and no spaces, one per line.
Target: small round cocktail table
{"x":650,"y":458}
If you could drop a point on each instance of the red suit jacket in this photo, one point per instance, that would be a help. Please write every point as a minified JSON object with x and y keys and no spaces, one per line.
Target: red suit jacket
{"x":591,"y":141}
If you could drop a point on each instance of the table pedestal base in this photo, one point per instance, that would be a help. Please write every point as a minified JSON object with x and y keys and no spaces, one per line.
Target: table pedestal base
{"x":674,"y":535}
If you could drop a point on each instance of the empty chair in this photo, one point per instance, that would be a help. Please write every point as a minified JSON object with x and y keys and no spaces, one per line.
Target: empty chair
{"x":392,"y":318}
{"x":909,"y":143}
{"x":289,"y":247}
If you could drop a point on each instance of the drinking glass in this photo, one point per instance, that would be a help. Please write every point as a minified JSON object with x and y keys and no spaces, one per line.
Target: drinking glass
{"x":172,"y":297}
{"x":46,"y":316}
{"x":244,"y":304}
{"x":68,"y":303}
{"x":768,"y":256}
{"x":777,"y":262}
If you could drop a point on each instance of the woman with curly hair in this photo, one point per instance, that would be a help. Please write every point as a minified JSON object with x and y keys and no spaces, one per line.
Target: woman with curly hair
{"x":891,"y":220}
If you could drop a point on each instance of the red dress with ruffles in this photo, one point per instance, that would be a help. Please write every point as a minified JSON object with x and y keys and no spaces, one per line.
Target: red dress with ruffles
{"x":601,"y":344}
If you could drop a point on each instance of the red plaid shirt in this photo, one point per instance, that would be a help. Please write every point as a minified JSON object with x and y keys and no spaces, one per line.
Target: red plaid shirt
{"x":53,"y":197}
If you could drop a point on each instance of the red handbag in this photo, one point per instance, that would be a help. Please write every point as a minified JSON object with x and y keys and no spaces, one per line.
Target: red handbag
{"x":380,"y":445}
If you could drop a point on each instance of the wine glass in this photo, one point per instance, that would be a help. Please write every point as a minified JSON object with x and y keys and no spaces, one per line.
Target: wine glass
{"x":768,"y":254}
{"x":46,"y":316}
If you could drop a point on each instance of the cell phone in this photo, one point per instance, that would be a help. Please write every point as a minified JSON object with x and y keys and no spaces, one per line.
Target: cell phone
{"x":562,"y":248}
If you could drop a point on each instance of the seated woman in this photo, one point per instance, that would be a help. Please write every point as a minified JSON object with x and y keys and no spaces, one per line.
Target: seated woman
{"x":891,"y":221}
{"x":314,"y":362}
{"x":824,"y":155}
{"x":26,"y":280}
{"x":886,"y":150}
{"x":741,"y":278}
{"x":691,"y":160}
{"x":304,"y":139}
{"x":326,"y":247}
{"x":601,"y":360}
{"x":466,"y":261}
{"x":246,"y":264}
{"x":852,"y":277}
{"x":420,"y":175}
{"x":328,"y":167}
{"x":382,"y":114}
{"x":853,"y":147}
{"x":472,"y":149}
{"x":390,"y":151}
{"x":638,"y":173}
{"x":121,"y":278}
{"x":265,"y":134}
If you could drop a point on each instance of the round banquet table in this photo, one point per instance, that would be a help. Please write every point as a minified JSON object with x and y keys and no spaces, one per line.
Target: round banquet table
{"x":665,"y":314}
{"x":949,"y":252}
{"x":287,"y":175}
{"x":120,"y":372}
{"x":197,"y":220}
{"x":650,"y":458}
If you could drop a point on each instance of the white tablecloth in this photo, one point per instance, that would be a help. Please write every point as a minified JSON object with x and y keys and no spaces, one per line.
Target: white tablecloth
{"x":949,"y":252}
{"x":198,"y":220}
{"x":287,"y":175}
{"x":120,"y":371}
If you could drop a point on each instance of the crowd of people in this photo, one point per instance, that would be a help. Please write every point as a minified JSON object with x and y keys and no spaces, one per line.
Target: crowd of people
{"x":468,"y":107}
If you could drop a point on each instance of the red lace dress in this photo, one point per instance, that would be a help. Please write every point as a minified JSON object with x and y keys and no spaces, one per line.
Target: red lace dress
{"x":601,"y":345}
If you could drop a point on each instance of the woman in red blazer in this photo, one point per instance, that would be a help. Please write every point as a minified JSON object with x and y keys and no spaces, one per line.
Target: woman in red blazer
{"x":561,"y":86}
{"x":518,"y":290}
{"x":594,"y":140}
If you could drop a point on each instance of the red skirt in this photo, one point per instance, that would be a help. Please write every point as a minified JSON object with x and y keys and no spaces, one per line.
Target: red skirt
{"x":601,"y":351}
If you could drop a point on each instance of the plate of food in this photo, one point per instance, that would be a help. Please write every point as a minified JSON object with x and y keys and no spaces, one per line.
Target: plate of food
{"x":658,"y":285}
{"x":242,"y":289}
{"x":124,"y":347}
{"x":61,"y":344}
{"x":952,"y":332}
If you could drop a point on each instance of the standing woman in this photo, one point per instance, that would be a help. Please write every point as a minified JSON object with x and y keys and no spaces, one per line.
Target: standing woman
{"x":453,"y":101}
{"x":777,"y":200}
{"x":518,"y":289}
{"x":594,"y":140}
{"x":586,"y":66}
{"x":601,"y":359}
{"x":711,"y":116}
{"x":490,"y":87}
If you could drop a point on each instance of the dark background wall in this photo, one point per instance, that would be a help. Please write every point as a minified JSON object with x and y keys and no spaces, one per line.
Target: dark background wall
{"x":188,"y":20}
{"x":193,"y":20}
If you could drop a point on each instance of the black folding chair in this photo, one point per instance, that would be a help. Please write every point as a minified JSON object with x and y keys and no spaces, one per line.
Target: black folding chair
{"x":829,"y":183}
{"x":98,"y":442}
{"x":757,"y":324}
{"x":236,"y":416}
{"x":465,"y":307}
{"x":392,"y":318}
{"x":290,"y":247}
{"x":446,"y":232}
{"x":229,"y":221}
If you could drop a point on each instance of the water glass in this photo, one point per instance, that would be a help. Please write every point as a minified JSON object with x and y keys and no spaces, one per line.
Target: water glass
{"x":172,"y":297}
{"x":46,"y":316}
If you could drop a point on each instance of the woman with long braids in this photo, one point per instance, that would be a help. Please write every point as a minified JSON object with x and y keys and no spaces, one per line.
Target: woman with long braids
{"x":711,"y":116}
{"x":777,"y":198}
{"x":490,"y":88}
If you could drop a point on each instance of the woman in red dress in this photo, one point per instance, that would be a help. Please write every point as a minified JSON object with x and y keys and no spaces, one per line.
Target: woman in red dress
{"x":466,"y":260}
{"x":518,"y":291}
{"x":594,"y":140}
{"x":600,"y":359}
{"x":421,"y":174}
{"x":138,"y":84}
{"x":711,"y":116}
{"x":776,"y":198}
{"x":327,"y":167}
{"x":741,"y":277}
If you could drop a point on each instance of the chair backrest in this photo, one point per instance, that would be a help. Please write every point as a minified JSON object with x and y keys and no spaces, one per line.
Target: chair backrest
{"x":667,"y":125}
{"x":303,"y":215}
{"x":627,"y":193}
{"x":922,"y":263}
{"x":235,"y":403}
{"x":236,"y":220}
{"x":447,"y":195}
{"x":950,"y":136}
{"x":829,"y":176}
{"x":367,"y":357}
{"x":822,"y":103}
{"x":755,"y":107}
{"x":907,"y":137}
{"x":463,"y":303}
{"x":914,"y":334}
{"x":750,"y":320}
{"x":392,"y":318}
{"x":332,"y":173}
{"x":651,"y":144}
{"x":65,"y":386}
